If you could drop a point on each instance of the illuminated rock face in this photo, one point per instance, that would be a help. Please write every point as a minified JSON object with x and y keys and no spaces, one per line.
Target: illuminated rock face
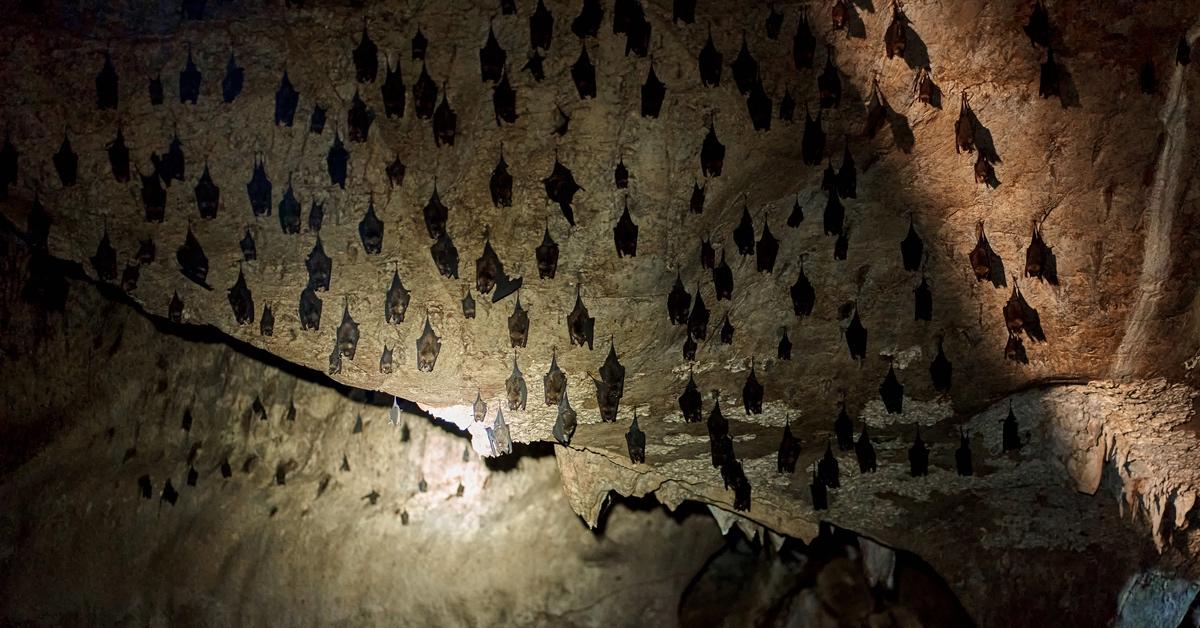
{"x":1102,"y":171}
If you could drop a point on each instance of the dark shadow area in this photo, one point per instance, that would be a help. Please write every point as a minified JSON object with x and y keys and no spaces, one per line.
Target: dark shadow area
{"x":983,"y":138}
{"x":916,"y":53}
{"x":1068,"y":93}
{"x":647,"y":503}
{"x":854,"y":22}
{"x":510,"y":461}
{"x":902,"y":132}
{"x":999,"y":278}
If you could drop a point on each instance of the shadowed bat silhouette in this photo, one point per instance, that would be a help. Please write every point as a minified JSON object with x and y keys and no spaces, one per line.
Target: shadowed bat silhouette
{"x":193,"y":263}
{"x":804,"y":44}
{"x":336,"y":161}
{"x":752,"y":393}
{"x":429,"y":345}
{"x":359,"y":118}
{"x":319,"y":266}
{"x":918,"y":456}
{"x":745,"y":68}
{"x":621,"y":175}
{"x":891,"y":391}
{"x":9,"y":157}
{"x":420,"y":44}
{"x":690,"y":401}
{"x":445,"y":256}
{"x":241,"y":301}
{"x":175,"y":309}
{"x":923,"y":301}
{"x":370,"y":230}
{"x":515,"y":387}
{"x":492,"y":58}
{"x":912,"y":248}
{"x":766,"y":249}
{"x":697,"y":322}
{"x":286,"y":100}
{"x":653,"y":93}
{"x":743,"y":234}
{"x":829,"y":83}
{"x":895,"y":38}
{"x":518,"y":325}
{"x":289,"y":211}
{"x":1010,"y":433}
{"x":347,"y":333}
{"x":396,"y":301}
{"x":534,"y":65}
{"x":583,"y":74}
{"x":541,"y":27}
{"x":812,"y":145}
{"x":66,"y":163}
{"x":118,"y":157}
{"x":964,"y":128}
{"x":580,"y":326}
{"x":962,"y":456}
{"x":820,"y":495}
{"x":864,"y":451}
{"x":155,"y":89}
{"x":708,"y":255}
{"x":445,"y":121}
{"x":501,"y":184}
{"x":232,"y":82}
{"x":683,"y":11}
{"x":366,"y":58}
{"x":561,"y":188}
{"x":587,"y":23}
{"x":145,"y":253}
{"x":425,"y":93}
{"x":547,"y":256}
{"x":774,"y":23}
{"x":468,"y":305}
{"x":843,"y":428}
{"x":565,"y":422}
{"x":106,"y":85}
{"x":856,"y":338}
{"x":723,"y":279}
{"x":787,"y":106}
{"x":712,"y":153}
{"x":189,"y":81}
{"x":710,"y":61}
{"x":393,"y":90}
{"x":758,"y":105}
{"x":489,"y":273}
{"x":635,"y":440}
{"x":789,"y":451}
{"x":435,"y":214}
{"x":678,"y":302}
{"x":804,"y":296}
{"x":504,"y":101}
{"x":625,"y":234}
{"x":258,"y":189}
{"x":827,"y":468}
{"x":941,"y":370}
{"x":696,"y":204}
{"x":797,"y":215}
{"x":1038,"y":28}
{"x":266,"y":323}
{"x":395,"y":172}
{"x":208,"y":195}
{"x":784,"y":351}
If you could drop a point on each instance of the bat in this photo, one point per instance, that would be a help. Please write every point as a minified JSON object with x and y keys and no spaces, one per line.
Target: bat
{"x":226,"y":469}
{"x":789,"y":451}
{"x":625,"y":234}
{"x":347,"y":333}
{"x":193,"y":263}
{"x":316,"y":216}
{"x":812,"y":144}
{"x":193,"y":476}
{"x":712,"y":153}
{"x":895,"y":38}
{"x":723,"y":279}
{"x":118,"y":157}
{"x":393,"y":90}
{"x":612,"y":373}
{"x":491,"y":58}
{"x":155,"y":88}
{"x":624,"y":14}
{"x":683,"y":11}
{"x":785,"y":347}
{"x":565,"y":422}
{"x":635,"y":440}
{"x":1014,"y":311}
{"x":106,"y":85}
{"x":877,"y":111}
{"x":515,"y":387}
{"x":767,"y":249}
{"x":554,"y":382}
{"x":489,"y":273}
{"x":560,"y":188}
{"x":175,"y":309}
{"x":1010,"y":435}
{"x":336,"y":161}
{"x":856,"y":338}
{"x":189,"y":81}
{"x":445,"y":121}
{"x":468,"y":305}
{"x":690,"y":401}
{"x":743,"y":234}
{"x":1014,"y":349}
{"x":154,"y":196}
{"x":621,"y":175}
{"x":144,"y":487}
{"x":316,"y":123}
{"x":499,"y":435}
{"x":689,"y":349}
{"x":366,"y":58}
{"x":386,"y":366}
{"x":843,"y":428}
{"x":797,"y":215}
{"x":678,"y":302}
{"x":129,"y":277}
{"x":66,"y":163}
{"x":820,"y":495}
{"x":208,"y":195}
{"x":145,"y":253}
{"x":258,"y":189}
{"x":587,"y":23}
{"x":941,"y":370}
{"x":891,"y":391}
{"x":985,"y":173}
{"x":583,"y":74}
{"x":541,"y":27}
{"x":425,"y":93}
{"x":918,"y":456}
{"x":479,"y":408}
{"x":923,"y":301}
{"x":653,"y":93}
{"x":319,"y":267}
{"x":962,"y":455}
{"x":697,"y":322}
{"x":281,"y":474}
{"x":534,"y":65}
{"x":266,"y":323}
{"x":804,"y":296}
{"x":839,"y":13}
{"x":286,"y":100}
{"x":752,"y":392}
{"x":172,"y":164}
{"x":827,"y":468}
{"x":395,"y":172}
{"x":637,"y":38}
{"x":504,"y":100}
{"x":335,"y":360}
{"x":1183,"y":52}
{"x":563,"y":122}
{"x":580,"y":326}
{"x":745,"y":69}
{"x":964,"y":128}
{"x":518,"y":325}
{"x":445,"y":256}
{"x":419,"y":45}
{"x":708,"y":255}
{"x":310,"y":308}
{"x":710,"y":61}
{"x":829,"y":178}
{"x":1037,"y":257}
{"x":396,"y":300}
{"x":289,"y":211}
{"x":829,"y":82}
{"x":232,"y":82}
{"x":429,"y":345}
{"x":435,"y":214}
{"x":359,"y":118}
{"x":1038,"y":28}
{"x":370,"y":230}
{"x":1050,"y":78}
{"x":607,"y":400}
{"x":981,"y":256}
{"x":864,"y":451}
{"x":249,"y":250}
{"x":804,"y":44}
{"x":774,"y":23}
{"x":912,"y":248}
{"x":241,"y":301}
{"x":501,"y":183}
{"x":924,"y":88}
{"x":547,"y":256}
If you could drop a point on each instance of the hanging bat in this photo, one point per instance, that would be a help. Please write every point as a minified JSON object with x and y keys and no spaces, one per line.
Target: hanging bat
{"x":319,"y":266}
{"x":500,"y":435}
{"x":175,"y":309}
{"x":266,"y":323}
{"x":580,"y":326}
{"x":561,"y":188}
{"x":429,"y":345}
{"x":515,"y":387}
{"x":425,"y":93}
{"x":1038,"y":28}
{"x":941,"y":370}
{"x":743,"y":234}
{"x":534,"y":65}
{"x":563,"y":122}
{"x":723,"y":280}
{"x":785,"y":347}
{"x":708,"y":255}
{"x":918,"y":456}
{"x":1014,"y":349}
{"x":829,"y":178}
{"x":145,"y":253}
{"x":745,"y":69}
{"x":1183,"y":52}
{"x":489,"y":273}
{"x":286,"y":100}
{"x":621,"y":175}
{"x":316,"y":216}
{"x":625,"y":12}
{"x":518,"y":325}
{"x":678,"y":302}
{"x":289,"y":211}
{"x":635,"y":440}
{"x":291,"y":411}
{"x":316,"y":123}
{"x":172,"y":164}
{"x":241,"y":301}
{"x":612,"y":373}
{"x":1050,"y":79}
{"x":834,"y":217}
{"x":877,"y":111}
{"x":565,"y":422}
{"x":258,"y":189}
{"x":366,"y":58}
{"x":985,"y":173}
{"x":891,"y":391}
{"x":106,"y":85}
{"x":386,"y":366}
{"x":118,"y":157}
{"x":310,"y":309}
{"x":787,"y":106}
{"x":843,"y":428}
{"x":789,"y":451}
{"x":864,"y":451}
{"x":501,"y":184}
{"x":912,"y":248}
{"x":154,"y":197}
{"x":839,"y":14}
{"x":393,"y":90}
{"x":395,"y":172}
{"x":720,"y":448}
{"x":625,"y":234}
{"x":689,"y":349}
{"x":347,"y":333}
{"x":189,"y":81}
{"x":981,"y":256}
{"x":419,"y":45}
{"x":1010,"y":437}
{"x":767,"y":249}
{"x":445,"y":256}
{"x":1037,"y":257}
{"x":752,"y":393}
{"x":962,"y":455}
{"x":583,"y":74}
{"x":445,"y":121}
{"x":491,"y":58}
{"x":129,"y":277}
{"x":370,"y":230}
{"x":812,"y":145}
{"x":541,"y":27}
{"x":803,"y":294}
{"x":436,"y":214}
{"x":554,"y":382}
{"x":607,"y":401}
{"x":698,"y":320}
{"x":710,"y":61}
{"x":1014,"y":311}
{"x":547,"y":256}
{"x":712,"y":153}
{"x":653,"y":93}
{"x":193,"y":263}
{"x":696,"y":204}
{"x":479,"y":408}
{"x":726,"y":333}
{"x":774,"y":23}
{"x":797,"y":215}
{"x":829,"y":82}
{"x":155,"y":88}
{"x":587,"y":23}
{"x":504,"y":101}
{"x":964,"y":128}
{"x":923,"y":301}
{"x":804,"y":44}
{"x":144,"y":487}
{"x":856,"y":338}
{"x":820,"y":495}
{"x":637,"y":38}
{"x":336,"y":162}
{"x":231,"y":83}
{"x":193,"y":476}
{"x":208,"y":195}
{"x":690,"y":401}
{"x":66,"y":163}
{"x":257,"y":409}
{"x":468,"y":305}
{"x":359,"y":118}
{"x":895,"y":38}
{"x":827,"y":468}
